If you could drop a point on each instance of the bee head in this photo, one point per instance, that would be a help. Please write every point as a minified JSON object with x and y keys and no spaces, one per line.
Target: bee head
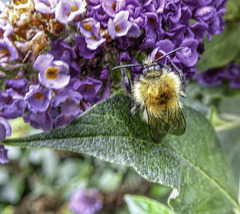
{"x":152,"y":67}
{"x":149,"y":64}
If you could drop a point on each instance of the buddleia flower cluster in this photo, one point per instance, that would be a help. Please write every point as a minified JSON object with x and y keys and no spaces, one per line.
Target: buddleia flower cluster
{"x":216,"y":76}
{"x":56,"y":55}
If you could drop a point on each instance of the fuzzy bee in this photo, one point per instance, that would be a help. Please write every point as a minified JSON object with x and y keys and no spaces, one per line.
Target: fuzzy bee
{"x":156,"y":93}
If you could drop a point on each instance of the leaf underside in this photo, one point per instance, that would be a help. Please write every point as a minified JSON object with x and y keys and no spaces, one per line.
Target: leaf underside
{"x":193,"y":164}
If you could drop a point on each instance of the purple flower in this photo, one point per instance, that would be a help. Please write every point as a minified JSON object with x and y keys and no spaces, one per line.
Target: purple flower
{"x":5,"y":129}
{"x":199,"y":30}
{"x":135,"y":8}
{"x":212,"y":18}
{"x":45,"y":6}
{"x":189,"y":55}
{"x":162,"y":47}
{"x":111,"y":7}
{"x":172,"y":11}
{"x":40,"y":120}
{"x":62,"y":120}
{"x":148,"y":42}
{"x":85,"y":202}
{"x":68,"y":105}
{"x":82,"y":48}
{"x":125,"y":43}
{"x":90,"y":29}
{"x":53,"y":74}
{"x":97,"y":12}
{"x":3,"y":154}
{"x":212,"y":77}
{"x":62,"y":51}
{"x":104,"y":74}
{"x":134,"y":31}
{"x":119,"y":26}
{"x":37,"y":99}
{"x":231,"y":71}
{"x":69,"y":102}
{"x":235,"y":83}
{"x":88,"y":89}
{"x":8,"y":52}
{"x":151,"y":24}
{"x":67,"y":10}
{"x":206,"y":14}
{"x":12,"y":104}
{"x":19,"y":85}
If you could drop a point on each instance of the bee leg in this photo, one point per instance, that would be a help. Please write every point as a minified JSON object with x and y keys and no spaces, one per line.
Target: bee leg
{"x":127,"y":84}
{"x":134,"y":107}
{"x":182,"y":78}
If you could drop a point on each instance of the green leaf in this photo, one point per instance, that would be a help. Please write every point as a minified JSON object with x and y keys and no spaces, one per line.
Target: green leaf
{"x":143,"y":205}
{"x":229,"y":134}
{"x":193,"y":164}
{"x":232,"y":10}
{"x":221,"y":50}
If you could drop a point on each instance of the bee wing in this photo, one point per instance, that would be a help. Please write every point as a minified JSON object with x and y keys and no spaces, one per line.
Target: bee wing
{"x":173,"y":122}
{"x":177,"y":123}
{"x":158,"y":129}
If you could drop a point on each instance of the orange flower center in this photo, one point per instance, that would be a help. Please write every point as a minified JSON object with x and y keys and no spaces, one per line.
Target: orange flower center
{"x":38,"y":95}
{"x":52,"y":73}
{"x":114,"y":6}
{"x":87,"y":27}
{"x":117,"y":28}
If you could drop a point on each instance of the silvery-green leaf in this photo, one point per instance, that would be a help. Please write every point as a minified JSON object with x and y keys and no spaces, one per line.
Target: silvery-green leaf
{"x":193,"y":164}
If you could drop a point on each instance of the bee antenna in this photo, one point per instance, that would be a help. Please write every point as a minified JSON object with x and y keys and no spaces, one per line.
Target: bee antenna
{"x":126,"y":66}
{"x":161,"y":57}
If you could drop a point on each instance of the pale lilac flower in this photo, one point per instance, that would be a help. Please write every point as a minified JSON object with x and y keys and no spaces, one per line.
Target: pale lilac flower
{"x":8,"y":52}
{"x":37,"y":98}
{"x":19,"y":85}
{"x":67,"y":105}
{"x":45,"y":6}
{"x":40,"y":120}
{"x":69,"y":102}
{"x":12,"y":104}
{"x":88,"y":89}
{"x":67,"y":10}
{"x":63,"y":119}
{"x":119,"y":26}
{"x":111,"y":7}
{"x":53,"y":74}
{"x":85,"y":202}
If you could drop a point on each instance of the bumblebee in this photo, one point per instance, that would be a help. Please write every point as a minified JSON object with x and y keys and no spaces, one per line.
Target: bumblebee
{"x":155,"y":91}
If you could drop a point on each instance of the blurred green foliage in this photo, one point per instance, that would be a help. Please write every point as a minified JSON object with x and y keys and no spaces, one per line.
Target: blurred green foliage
{"x":42,"y":180}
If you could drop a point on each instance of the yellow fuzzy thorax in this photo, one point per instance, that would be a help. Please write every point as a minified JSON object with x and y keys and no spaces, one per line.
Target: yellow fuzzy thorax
{"x":158,"y":91}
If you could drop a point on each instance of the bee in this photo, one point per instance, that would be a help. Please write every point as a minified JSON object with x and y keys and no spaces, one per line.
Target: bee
{"x":156,"y":91}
